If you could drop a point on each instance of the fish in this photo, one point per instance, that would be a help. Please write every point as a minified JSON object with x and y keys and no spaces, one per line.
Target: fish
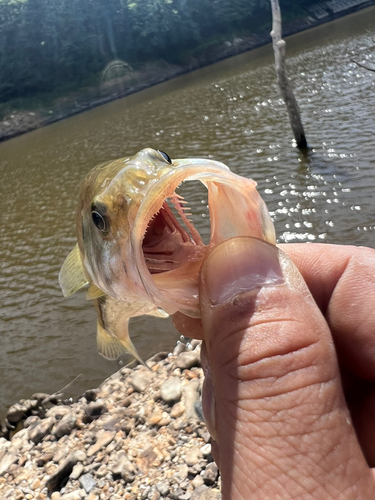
{"x":137,"y":250}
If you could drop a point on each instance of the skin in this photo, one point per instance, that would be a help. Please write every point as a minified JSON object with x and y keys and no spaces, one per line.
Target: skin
{"x":289,"y":359}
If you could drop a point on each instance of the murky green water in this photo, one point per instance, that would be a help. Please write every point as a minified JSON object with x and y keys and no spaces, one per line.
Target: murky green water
{"x":232,"y":112}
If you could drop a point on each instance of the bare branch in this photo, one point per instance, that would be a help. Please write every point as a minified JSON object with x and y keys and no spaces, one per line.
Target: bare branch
{"x":284,"y":84}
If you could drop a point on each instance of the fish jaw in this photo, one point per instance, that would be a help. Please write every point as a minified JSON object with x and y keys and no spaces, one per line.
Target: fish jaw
{"x":236,"y":209}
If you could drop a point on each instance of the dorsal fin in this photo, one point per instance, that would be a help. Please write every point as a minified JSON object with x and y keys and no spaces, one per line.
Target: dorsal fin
{"x":72,"y":275}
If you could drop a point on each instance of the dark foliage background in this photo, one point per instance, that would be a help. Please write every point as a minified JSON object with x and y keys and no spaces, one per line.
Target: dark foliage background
{"x":46,"y":46}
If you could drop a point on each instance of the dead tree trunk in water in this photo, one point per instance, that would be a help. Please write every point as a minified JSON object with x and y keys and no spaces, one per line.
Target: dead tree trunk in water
{"x":284,"y":84}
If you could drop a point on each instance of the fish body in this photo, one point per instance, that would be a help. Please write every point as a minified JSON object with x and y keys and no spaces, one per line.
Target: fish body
{"x":137,"y":249}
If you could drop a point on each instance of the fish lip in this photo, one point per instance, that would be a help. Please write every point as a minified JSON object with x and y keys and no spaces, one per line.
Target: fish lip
{"x":190,"y":169}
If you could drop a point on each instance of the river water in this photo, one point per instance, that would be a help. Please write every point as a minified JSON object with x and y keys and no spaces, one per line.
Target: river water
{"x":231,"y":112}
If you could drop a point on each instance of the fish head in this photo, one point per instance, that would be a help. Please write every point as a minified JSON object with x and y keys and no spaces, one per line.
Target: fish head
{"x":135,"y":238}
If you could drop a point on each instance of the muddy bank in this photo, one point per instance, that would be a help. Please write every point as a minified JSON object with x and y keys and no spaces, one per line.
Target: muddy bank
{"x":137,"y":79}
{"x":140,"y":435}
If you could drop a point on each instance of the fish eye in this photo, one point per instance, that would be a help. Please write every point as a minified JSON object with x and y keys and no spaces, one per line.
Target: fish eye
{"x":165,"y":156}
{"x":99,"y":221}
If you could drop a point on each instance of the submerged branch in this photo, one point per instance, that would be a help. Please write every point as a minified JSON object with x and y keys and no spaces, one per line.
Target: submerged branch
{"x":362,"y":65}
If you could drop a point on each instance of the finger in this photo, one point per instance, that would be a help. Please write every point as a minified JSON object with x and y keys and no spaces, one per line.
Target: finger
{"x":342,"y":282}
{"x":281,"y":422}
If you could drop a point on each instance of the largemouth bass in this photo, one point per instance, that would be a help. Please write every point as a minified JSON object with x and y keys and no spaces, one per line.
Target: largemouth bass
{"x":133,"y":253}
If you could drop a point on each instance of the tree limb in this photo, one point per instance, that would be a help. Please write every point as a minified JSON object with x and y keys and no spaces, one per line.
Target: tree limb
{"x":284,"y":84}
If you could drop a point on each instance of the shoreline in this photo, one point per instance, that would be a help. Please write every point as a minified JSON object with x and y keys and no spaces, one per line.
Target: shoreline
{"x":139,"y":436}
{"x":21,"y":122}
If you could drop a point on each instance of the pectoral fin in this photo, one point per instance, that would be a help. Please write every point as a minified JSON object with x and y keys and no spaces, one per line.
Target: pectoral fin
{"x":72,"y":275}
{"x":94,"y":292}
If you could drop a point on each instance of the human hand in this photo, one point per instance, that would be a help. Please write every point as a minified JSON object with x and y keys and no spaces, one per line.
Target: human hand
{"x":289,"y":392}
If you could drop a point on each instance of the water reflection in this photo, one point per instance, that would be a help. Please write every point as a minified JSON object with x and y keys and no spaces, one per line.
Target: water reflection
{"x":231,"y":112}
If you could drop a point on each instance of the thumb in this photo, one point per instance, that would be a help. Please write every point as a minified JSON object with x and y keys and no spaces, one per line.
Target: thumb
{"x":272,"y":395}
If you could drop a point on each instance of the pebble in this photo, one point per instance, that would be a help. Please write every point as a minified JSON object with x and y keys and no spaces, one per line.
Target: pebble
{"x":163,"y":488}
{"x":77,"y":471}
{"x":210,"y":474}
{"x":193,"y":456}
{"x":188,"y":359}
{"x":16,"y":413}
{"x":91,"y":394}
{"x":64,"y":426}
{"x":206,"y":450}
{"x":104,"y":438}
{"x":141,"y":380}
{"x":94,"y":410}
{"x":135,"y":437}
{"x":37,"y":433}
{"x":7,"y":460}
{"x":87,"y":482}
{"x":177,"y":410}
{"x":170,"y":390}
{"x":204,"y":493}
{"x":191,"y":396}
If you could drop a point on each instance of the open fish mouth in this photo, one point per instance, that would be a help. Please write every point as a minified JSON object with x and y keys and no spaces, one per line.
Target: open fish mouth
{"x":169,"y":252}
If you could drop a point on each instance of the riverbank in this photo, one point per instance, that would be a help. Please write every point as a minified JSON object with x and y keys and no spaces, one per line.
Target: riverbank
{"x":140,"y":435}
{"x":17,"y":122}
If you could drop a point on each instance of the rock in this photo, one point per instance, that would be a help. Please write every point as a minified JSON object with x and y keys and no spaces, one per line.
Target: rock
{"x":16,"y":413}
{"x":31,"y":421}
{"x":104,"y":438}
{"x":65,"y":426}
{"x":58,"y":412}
{"x":20,"y":441}
{"x":193,"y":456}
{"x":87,"y":482}
{"x":37,"y":433}
{"x":177,"y":410}
{"x":94,"y":410}
{"x":185,"y":496}
{"x":210,"y":474}
{"x":197,"y":481}
{"x":77,"y":471}
{"x":43,"y":459}
{"x":191,"y":395}
{"x":141,"y":380}
{"x":199,"y":410}
{"x":64,"y":470}
{"x":155,"y":417}
{"x":153,"y":494}
{"x":7,"y":460}
{"x":74,"y":495}
{"x":102,"y":471}
{"x":180,"y":347}
{"x":204,"y":493}
{"x":182,"y":473}
{"x":188,"y":359}
{"x":176,"y":494}
{"x":40,"y":396}
{"x":60,"y":454}
{"x":206,"y":450}
{"x":123,"y":467}
{"x":163,"y":488}
{"x":91,"y":394}
{"x":170,"y":390}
